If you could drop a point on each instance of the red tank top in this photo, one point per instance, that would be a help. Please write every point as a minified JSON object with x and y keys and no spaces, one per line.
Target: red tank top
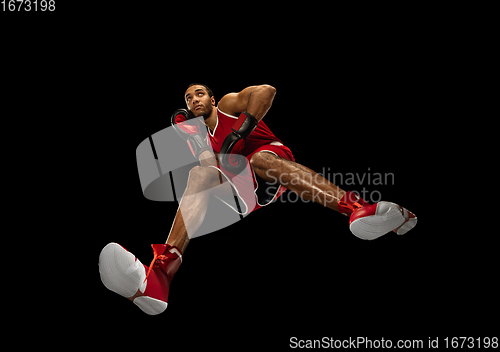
{"x":262,"y":135}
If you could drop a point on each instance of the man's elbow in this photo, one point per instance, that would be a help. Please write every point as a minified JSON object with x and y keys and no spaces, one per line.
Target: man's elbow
{"x":268,"y":90}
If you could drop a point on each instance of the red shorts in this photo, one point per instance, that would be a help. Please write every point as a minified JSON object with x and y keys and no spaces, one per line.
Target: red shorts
{"x":252,"y":191}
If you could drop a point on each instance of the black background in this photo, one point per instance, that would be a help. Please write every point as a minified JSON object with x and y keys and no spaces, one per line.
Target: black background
{"x":295,"y":269}
{"x":347,"y":100}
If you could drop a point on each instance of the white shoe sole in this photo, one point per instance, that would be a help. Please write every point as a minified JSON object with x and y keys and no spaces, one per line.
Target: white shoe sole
{"x":388,"y":217}
{"x":122,"y":273}
{"x":409,"y":224}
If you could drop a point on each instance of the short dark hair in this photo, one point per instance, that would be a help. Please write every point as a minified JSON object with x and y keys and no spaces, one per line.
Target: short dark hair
{"x":209,"y":91}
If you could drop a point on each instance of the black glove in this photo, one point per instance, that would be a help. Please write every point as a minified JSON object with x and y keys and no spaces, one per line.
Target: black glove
{"x":241,"y":129}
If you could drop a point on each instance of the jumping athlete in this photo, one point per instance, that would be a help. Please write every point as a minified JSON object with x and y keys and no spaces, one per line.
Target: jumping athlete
{"x":240,"y":157}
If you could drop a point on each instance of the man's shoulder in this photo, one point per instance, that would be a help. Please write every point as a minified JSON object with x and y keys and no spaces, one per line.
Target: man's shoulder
{"x":228,"y":104}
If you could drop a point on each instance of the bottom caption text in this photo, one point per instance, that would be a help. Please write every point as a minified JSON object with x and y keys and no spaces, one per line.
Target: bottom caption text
{"x":365,"y":342}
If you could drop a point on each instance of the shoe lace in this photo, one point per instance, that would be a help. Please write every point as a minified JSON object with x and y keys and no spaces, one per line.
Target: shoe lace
{"x":353,"y":206}
{"x":156,"y":256}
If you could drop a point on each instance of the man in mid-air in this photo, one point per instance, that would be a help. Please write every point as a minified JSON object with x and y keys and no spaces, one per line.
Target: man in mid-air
{"x":240,"y":157}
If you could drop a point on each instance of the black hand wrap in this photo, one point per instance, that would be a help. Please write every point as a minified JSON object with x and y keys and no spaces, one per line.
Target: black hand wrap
{"x":241,"y":129}
{"x":188,"y":127}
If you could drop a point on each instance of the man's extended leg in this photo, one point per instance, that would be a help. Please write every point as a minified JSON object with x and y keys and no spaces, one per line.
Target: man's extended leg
{"x":193,"y":206}
{"x":366,"y":221}
{"x":148,"y":286}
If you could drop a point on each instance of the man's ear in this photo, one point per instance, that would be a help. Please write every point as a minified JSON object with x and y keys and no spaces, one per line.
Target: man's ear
{"x":213,"y":101}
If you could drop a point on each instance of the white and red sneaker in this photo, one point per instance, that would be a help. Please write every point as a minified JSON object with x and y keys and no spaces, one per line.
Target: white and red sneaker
{"x":147,"y":287}
{"x":370,"y":221}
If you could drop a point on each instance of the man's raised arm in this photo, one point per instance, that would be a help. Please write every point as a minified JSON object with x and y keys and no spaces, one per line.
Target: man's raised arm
{"x":256,"y":100}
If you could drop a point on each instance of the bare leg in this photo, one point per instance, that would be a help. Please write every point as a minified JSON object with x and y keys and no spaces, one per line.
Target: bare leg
{"x":193,"y":206}
{"x":308,"y":184}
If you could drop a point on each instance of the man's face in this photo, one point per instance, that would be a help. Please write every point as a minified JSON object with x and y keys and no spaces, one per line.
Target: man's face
{"x":198,"y":101}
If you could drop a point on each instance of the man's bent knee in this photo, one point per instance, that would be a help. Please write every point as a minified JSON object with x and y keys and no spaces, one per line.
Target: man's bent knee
{"x":262,"y":163}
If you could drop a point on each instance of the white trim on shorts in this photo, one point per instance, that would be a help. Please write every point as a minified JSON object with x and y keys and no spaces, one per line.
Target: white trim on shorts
{"x":237,"y":193}
{"x":254,"y":191}
{"x":257,"y":181}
